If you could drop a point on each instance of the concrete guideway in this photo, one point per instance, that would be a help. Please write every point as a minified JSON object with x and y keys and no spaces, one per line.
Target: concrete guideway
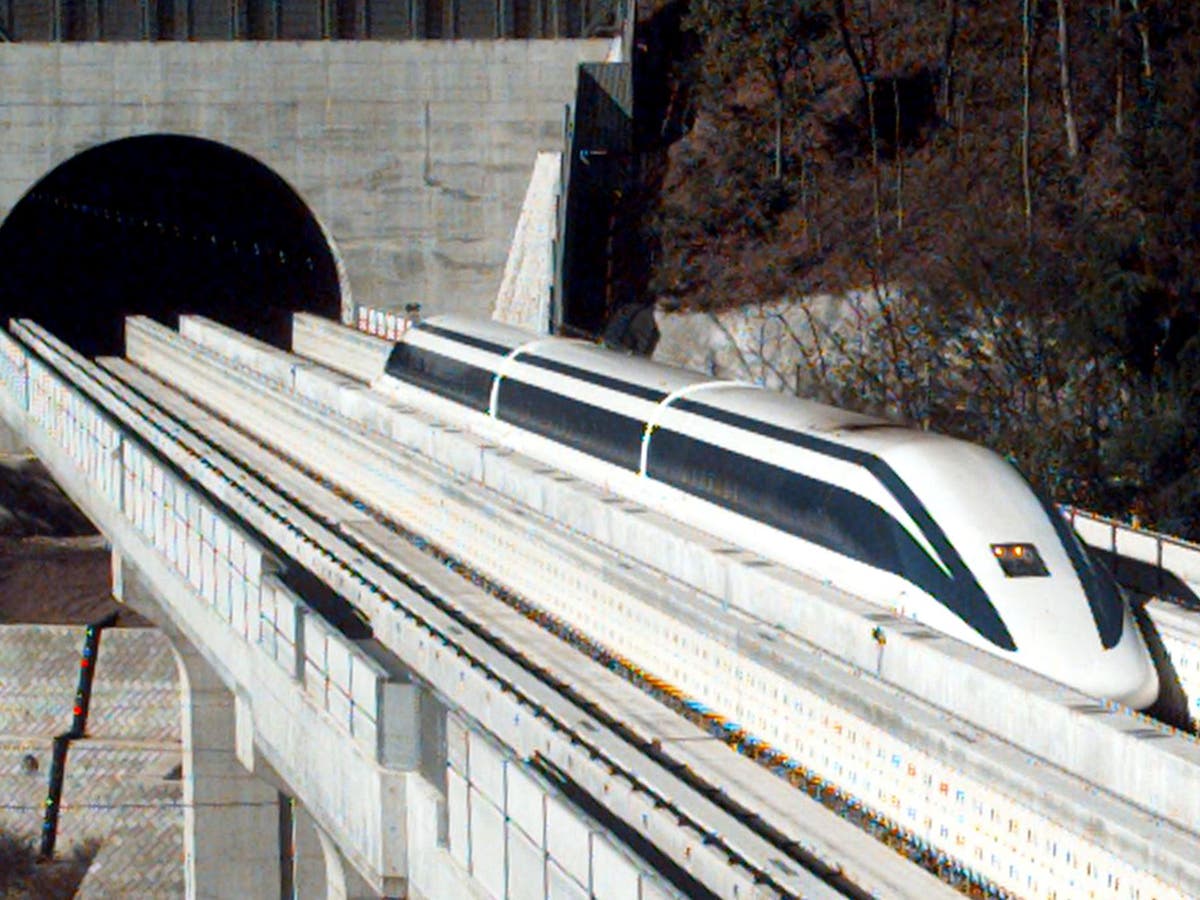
{"x":36,"y":387}
{"x":835,"y":841}
{"x":588,"y":760}
{"x":373,"y":464}
{"x":1041,"y":781}
{"x":524,"y":723}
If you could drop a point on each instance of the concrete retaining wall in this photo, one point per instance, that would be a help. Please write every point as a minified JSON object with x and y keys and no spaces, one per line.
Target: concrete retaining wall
{"x":415,"y":156}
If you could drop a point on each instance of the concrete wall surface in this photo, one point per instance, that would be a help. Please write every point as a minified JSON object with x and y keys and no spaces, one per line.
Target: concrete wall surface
{"x":121,"y":802}
{"x":414,"y":156}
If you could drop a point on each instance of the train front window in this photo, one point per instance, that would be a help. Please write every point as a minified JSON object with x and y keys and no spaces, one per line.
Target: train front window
{"x":1019,"y":560}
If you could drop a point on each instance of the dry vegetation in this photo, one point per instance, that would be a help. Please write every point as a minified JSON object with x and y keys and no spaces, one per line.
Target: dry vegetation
{"x":24,"y":877}
{"x":54,"y":568}
{"x":1013,"y":186}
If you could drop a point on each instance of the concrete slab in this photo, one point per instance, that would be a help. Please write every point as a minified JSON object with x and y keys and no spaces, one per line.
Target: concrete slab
{"x":561,"y":886}
{"x":526,"y":867}
{"x":568,"y":841}
{"x":486,"y":768}
{"x":613,"y":876}
{"x":459,"y":819}
{"x":526,"y":805}
{"x":488,"y":857}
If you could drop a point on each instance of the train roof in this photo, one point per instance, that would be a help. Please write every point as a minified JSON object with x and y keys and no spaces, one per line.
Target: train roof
{"x":632,"y":370}
{"x":871,"y":434}
{"x":483,"y":333}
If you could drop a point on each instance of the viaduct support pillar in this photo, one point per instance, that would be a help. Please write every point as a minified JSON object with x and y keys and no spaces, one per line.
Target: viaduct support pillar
{"x":231,"y":825}
{"x":231,"y":818}
{"x":341,"y":878}
{"x":309,"y":854}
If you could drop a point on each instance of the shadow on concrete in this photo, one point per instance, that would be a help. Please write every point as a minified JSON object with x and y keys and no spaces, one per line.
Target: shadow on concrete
{"x":23,"y":875}
{"x":1147,"y":578}
{"x":162,"y":225}
{"x":32,"y":504}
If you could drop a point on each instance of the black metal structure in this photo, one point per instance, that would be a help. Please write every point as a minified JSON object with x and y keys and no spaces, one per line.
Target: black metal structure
{"x":299,"y":20}
{"x":598,"y":169}
{"x":58,"y":760}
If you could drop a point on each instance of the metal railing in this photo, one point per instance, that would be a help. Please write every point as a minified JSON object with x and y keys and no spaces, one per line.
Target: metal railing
{"x":1170,"y":556}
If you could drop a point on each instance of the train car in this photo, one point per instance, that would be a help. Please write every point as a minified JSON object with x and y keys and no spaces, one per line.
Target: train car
{"x":937,"y":529}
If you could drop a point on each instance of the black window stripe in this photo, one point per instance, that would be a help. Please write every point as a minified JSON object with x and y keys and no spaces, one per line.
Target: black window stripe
{"x":605,"y":381}
{"x":968,"y":599}
{"x":825,"y":514}
{"x":1104,"y":597}
{"x":615,"y":384}
{"x":443,"y":375}
{"x":873,"y":464}
{"x":469,"y":340}
{"x":596,"y":431}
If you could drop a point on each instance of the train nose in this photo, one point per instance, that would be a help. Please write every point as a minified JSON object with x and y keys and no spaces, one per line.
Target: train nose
{"x":1143,"y":692}
{"x":1129,"y":670}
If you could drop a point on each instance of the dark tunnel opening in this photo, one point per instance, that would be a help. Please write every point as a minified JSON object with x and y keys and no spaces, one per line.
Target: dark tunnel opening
{"x":162,"y":225}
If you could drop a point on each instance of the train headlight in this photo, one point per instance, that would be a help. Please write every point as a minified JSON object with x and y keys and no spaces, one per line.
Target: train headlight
{"x":1019,"y":560}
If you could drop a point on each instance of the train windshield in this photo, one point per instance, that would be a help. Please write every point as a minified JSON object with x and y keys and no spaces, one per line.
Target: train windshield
{"x":1019,"y":560}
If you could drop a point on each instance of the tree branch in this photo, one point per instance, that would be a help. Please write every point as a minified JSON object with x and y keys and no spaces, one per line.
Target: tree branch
{"x":839,"y":7}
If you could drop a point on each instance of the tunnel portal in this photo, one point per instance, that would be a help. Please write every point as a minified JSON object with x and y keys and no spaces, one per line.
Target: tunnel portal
{"x":162,"y":225}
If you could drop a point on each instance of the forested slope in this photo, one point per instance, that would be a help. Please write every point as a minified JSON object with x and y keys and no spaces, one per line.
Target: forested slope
{"x":1012,"y":185}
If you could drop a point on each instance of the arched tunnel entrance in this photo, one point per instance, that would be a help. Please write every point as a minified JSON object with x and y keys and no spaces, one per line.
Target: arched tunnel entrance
{"x":162,"y":225}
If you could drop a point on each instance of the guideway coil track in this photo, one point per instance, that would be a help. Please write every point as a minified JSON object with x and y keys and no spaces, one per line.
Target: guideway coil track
{"x":293,"y":481}
{"x":347,"y":568}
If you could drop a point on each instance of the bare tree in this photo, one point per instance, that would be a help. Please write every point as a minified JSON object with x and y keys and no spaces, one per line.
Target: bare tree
{"x":948,"y":58}
{"x":875,"y":178}
{"x":1027,"y":10}
{"x":772,"y":38}
{"x":843,"y":20}
{"x":1143,"y":29}
{"x":1119,"y":102}
{"x":899,"y":158}
{"x":1064,"y":73}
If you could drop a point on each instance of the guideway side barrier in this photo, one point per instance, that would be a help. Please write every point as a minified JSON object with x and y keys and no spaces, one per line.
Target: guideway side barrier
{"x":1169,"y":555}
{"x":225,"y":568}
{"x":63,"y":405}
{"x":956,"y":809}
{"x":1167,"y":569}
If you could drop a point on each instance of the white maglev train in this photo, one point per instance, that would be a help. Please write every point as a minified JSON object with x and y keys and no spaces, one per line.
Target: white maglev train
{"x":940,"y":530}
